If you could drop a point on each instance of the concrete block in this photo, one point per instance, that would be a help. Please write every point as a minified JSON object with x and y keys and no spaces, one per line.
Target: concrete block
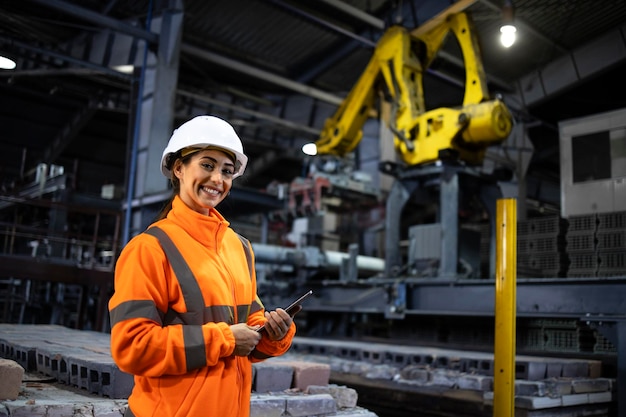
{"x":485,"y":367}
{"x":600,"y":397}
{"x":272,"y":376}
{"x":108,"y":409}
{"x":575,"y":369}
{"x":386,"y":372}
{"x":84,"y":409}
{"x":351,"y":367}
{"x":34,"y":410}
{"x":590,"y":385}
{"x":554,"y":370}
{"x":266,"y":406}
{"x":357,"y":412}
{"x":475,"y":382}
{"x":23,"y":355}
{"x":422,"y":358}
{"x":536,"y":403}
{"x":373,"y":355}
{"x":349,"y":352}
{"x":530,"y":388}
{"x":536,"y":371}
{"x":469,"y":365}
{"x":78,"y":375}
{"x":344,"y":397}
{"x":396,"y":358}
{"x":574,"y":399}
{"x":595,"y":369}
{"x":11,"y":374}
{"x":444,"y":377}
{"x":52,"y":361}
{"x":308,"y":373}
{"x":415,"y":373}
{"x":558,"y":387}
{"x":115,"y":383}
{"x":310,"y":405}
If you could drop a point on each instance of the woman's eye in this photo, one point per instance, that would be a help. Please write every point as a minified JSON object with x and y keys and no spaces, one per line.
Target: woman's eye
{"x":228,"y":172}
{"x":207,"y":166}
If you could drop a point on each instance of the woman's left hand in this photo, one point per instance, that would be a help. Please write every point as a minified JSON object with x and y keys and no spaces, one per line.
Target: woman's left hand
{"x":278,"y":323}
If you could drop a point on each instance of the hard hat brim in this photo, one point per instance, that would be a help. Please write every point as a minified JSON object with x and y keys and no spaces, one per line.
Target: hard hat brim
{"x":240,"y":157}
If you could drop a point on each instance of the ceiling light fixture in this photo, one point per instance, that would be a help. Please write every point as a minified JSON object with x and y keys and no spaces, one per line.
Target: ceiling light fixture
{"x":508,"y":29}
{"x":124,"y":69}
{"x":309,"y":149}
{"x":7,"y":63}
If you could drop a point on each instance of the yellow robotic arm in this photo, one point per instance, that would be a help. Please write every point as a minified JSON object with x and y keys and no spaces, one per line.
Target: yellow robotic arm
{"x":398,"y":64}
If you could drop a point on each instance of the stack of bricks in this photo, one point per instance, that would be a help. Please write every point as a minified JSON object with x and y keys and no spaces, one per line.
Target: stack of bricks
{"x":82,"y":379}
{"x":611,"y":244}
{"x":547,"y":385}
{"x":596,"y":244}
{"x":581,"y":246}
{"x":541,"y":247}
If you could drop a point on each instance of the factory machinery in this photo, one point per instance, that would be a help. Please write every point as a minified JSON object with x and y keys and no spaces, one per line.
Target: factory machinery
{"x":437,"y":285}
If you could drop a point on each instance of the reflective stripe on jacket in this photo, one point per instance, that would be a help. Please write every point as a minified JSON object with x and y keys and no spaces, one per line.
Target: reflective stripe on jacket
{"x":181,"y":355}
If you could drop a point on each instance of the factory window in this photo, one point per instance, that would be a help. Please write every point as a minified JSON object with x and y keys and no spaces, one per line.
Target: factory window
{"x":591,"y":157}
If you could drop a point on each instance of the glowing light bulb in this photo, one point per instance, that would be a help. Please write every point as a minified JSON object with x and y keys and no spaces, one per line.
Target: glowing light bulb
{"x":309,"y":149}
{"x":6,"y":63}
{"x":507,"y":35}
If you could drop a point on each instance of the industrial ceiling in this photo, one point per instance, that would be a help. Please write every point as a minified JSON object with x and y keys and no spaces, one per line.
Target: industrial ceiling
{"x":276,"y":69}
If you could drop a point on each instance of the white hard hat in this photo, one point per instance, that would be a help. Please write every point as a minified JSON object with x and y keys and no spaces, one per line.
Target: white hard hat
{"x":204,"y":132}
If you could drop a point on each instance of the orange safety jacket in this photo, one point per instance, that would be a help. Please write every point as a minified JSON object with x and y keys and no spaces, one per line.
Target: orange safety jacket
{"x":181,"y":356}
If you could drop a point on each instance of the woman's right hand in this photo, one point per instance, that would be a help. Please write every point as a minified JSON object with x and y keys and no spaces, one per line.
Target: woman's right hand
{"x":246,"y":338}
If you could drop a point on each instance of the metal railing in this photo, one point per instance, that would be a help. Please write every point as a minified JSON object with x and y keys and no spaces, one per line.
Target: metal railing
{"x":56,"y":261}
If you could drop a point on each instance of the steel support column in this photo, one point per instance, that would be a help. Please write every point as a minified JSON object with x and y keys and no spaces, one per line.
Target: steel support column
{"x":398,"y":196}
{"x":449,"y":213}
{"x":155,"y":113}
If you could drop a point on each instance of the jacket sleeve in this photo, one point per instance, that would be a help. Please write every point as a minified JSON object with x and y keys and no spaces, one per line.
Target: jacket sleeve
{"x":140,"y":344}
{"x":266,"y":348}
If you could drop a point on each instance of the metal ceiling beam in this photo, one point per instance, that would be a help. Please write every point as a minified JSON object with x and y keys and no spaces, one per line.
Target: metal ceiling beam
{"x":431,"y":23}
{"x":259,"y":115}
{"x":63,"y":57}
{"x":261,"y":74}
{"x":358,"y":13}
{"x":100,"y":19}
{"x":324,"y":23}
{"x":130,"y":30}
{"x":584,"y":62}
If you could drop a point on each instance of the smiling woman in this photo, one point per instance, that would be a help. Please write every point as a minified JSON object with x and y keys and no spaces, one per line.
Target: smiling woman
{"x":185,"y":312}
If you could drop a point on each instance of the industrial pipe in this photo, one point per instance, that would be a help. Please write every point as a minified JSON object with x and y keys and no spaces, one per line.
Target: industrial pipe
{"x":312,"y":257}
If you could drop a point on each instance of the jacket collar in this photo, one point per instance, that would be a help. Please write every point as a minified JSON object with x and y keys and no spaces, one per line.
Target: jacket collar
{"x":199,"y":226}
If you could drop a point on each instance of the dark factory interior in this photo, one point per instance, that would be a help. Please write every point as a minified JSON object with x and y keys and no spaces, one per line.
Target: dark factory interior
{"x":425,"y":125}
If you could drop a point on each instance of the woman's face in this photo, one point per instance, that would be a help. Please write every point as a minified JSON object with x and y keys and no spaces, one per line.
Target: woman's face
{"x":205,"y":180}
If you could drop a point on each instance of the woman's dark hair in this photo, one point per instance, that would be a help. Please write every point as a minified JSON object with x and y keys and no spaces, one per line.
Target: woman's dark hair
{"x":174,"y":181}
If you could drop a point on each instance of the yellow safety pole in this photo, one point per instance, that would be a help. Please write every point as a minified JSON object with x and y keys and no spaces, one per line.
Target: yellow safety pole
{"x":505,"y":305}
